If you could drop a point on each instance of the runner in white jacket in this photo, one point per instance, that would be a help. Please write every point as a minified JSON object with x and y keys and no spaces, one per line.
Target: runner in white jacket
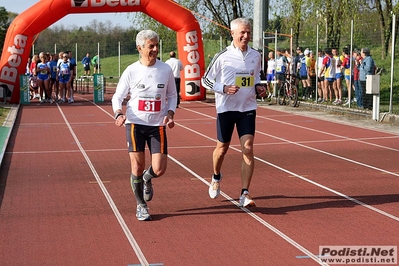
{"x":234,"y":76}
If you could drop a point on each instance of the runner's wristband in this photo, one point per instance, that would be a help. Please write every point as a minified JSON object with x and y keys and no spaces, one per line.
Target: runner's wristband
{"x":117,"y":115}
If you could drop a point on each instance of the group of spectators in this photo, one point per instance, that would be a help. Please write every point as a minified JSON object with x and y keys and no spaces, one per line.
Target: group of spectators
{"x":51,"y":77}
{"x":328,"y":70}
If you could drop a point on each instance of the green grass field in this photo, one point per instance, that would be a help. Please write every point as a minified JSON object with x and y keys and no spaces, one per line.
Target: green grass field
{"x":3,"y":114}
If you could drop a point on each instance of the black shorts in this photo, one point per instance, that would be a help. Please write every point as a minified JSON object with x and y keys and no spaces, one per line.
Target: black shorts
{"x":244,"y":121}
{"x":87,"y":67}
{"x":280,"y":77}
{"x":138,"y":136}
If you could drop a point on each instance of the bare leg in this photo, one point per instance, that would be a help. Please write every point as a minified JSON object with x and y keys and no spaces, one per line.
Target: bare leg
{"x":218,"y":156}
{"x":248,"y":163}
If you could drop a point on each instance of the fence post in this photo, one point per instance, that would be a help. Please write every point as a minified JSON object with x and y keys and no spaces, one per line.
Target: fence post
{"x":392,"y":60}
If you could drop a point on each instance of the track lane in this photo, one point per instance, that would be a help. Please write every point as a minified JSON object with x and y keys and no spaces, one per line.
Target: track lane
{"x":183,"y":231}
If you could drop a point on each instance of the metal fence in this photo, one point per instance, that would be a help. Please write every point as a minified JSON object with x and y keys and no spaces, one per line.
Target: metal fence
{"x":389,"y":82}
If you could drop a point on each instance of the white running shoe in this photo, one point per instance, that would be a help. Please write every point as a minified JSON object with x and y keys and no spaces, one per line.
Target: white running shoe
{"x":214,"y":188}
{"x":246,"y":200}
{"x":142,"y":213}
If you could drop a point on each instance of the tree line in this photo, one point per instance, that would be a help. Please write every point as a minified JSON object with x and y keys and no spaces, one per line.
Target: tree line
{"x":373,"y":18}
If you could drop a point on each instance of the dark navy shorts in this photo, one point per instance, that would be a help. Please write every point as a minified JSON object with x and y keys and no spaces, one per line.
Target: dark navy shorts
{"x":244,"y":122}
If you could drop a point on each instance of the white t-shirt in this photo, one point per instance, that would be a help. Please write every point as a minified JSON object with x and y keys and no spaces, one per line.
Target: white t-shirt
{"x":176,"y":66}
{"x":233,"y":67}
{"x":152,"y":92}
{"x":271,"y":66}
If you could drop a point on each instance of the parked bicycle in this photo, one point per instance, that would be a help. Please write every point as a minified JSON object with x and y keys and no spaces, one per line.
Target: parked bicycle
{"x":288,"y":92}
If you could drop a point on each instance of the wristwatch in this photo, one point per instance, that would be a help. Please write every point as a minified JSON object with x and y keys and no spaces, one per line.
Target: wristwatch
{"x":117,"y":115}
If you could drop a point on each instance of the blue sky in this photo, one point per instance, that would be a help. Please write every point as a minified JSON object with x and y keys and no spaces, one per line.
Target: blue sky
{"x":80,"y":20}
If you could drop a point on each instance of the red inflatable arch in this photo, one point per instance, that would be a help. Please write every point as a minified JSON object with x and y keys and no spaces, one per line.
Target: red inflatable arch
{"x":20,"y":35}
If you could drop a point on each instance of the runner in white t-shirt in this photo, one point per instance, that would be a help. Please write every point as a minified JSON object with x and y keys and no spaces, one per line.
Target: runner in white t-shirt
{"x":151,"y":86}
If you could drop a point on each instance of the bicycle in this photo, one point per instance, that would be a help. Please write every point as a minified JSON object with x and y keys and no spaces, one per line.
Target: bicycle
{"x":288,"y":92}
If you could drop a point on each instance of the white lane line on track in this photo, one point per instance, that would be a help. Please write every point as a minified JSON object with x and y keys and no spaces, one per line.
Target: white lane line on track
{"x":253,"y":215}
{"x":275,"y":230}
{"x":304,"y":250}
{"x":306,"y":179}
{"x":331,"y":134}
{"x":125,"y":228}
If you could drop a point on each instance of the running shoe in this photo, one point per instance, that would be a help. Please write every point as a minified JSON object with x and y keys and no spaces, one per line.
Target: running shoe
{"x":214,"y":188}
{"x":246,"y":200}
{"x":148,"y":190}
{"x":142,"y":213}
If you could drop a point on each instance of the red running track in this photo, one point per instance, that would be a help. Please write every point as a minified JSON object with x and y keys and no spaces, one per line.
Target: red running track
{"x":66,"y":199}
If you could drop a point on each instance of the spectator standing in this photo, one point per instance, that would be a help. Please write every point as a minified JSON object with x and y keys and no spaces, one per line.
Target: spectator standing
{"x":72,"y":61}
{"x":303,"y":73}
{"x":321,"y":89}
{"x":176,"y":66}
{"x":337,"y":85}
{"x":346,"y":66}
{"x":366,"y":67}
{"x":54,"y":84}
{"x":33,"y":65}
{"x":64,"y":76}
{"x":281,"y":66}
{"x":271,"y":69}
{"x":311,"y":68}
{"x":86,"y":62}
{"x":96,"y":65}
{"x":151,"y":108}
{"x":234,"y":76}
{"x":33,"y":76}
{"x":356,"y":82}
{"x":43,"y":78}
{"x":328,"y":69}
{"x":27,"y":70}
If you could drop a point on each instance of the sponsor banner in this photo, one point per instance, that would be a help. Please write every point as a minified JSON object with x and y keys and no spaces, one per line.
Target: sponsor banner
{"x":192,"y":88}
{"x":99,"y":88}
{"x":24,"y":89}
{"x":192,"y":46}
{"x":363,"y":255}
{"x":101,"y":3}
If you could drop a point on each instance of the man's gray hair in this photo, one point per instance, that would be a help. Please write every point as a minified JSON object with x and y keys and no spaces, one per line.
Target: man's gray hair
{"x":239,"y":21}
{"x":145,"y":35}
{"x":366,"y":51}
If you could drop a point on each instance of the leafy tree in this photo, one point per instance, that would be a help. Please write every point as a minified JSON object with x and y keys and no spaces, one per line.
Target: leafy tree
{"x":385,"y":9}
{"x":5,"y":20}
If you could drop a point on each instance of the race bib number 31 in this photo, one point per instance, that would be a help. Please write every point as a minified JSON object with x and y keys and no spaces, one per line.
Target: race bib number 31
{"x":149,"y":105}
{"x":245,"y":80}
